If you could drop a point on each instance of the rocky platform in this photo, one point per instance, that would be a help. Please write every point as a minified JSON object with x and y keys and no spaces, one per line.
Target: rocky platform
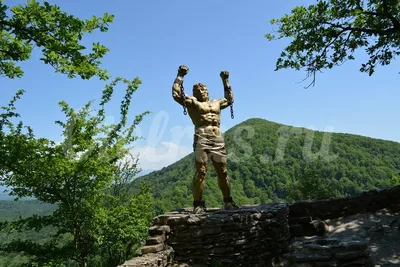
{"x":250,"y":236}
{"x":361,"y":230}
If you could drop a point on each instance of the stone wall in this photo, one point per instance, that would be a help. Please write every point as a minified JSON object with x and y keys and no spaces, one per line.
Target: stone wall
{"x":306,"y":217}
{"x":251,"y":236}
{"x":326,"y":252}
{"x":156,"y":252}
{"x":256,"y":235}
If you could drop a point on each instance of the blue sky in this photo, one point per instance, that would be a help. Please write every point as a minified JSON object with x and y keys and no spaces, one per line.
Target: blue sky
{"x":151,"y":38}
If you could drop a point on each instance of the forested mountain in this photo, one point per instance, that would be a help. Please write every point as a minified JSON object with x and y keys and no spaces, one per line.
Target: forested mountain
{"x":12,"y":210}
{"x":276,"y":160}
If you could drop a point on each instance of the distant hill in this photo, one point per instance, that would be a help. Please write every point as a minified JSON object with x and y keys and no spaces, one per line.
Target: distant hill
{"x":11,"y":210}
{"x":360,"y":163}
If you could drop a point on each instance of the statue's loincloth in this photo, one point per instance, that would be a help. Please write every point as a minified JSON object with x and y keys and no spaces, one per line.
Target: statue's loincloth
{"x":214,"y":146}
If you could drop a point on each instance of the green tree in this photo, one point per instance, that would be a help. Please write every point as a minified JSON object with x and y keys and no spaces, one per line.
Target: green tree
{"x":308,"y":184}
{"x":56,"y":33}
{"x":81,"y":175}
{"x":125,"y":218}
{"x":328,"y":33}
{"x":395,"y":180}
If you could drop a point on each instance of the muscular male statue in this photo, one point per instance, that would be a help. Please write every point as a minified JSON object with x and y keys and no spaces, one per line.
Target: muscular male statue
{"x":208,"y":141}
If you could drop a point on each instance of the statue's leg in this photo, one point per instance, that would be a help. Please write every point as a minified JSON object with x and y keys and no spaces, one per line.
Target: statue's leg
{"x":220,"y":164}
{"x":219,"y":161}
{"x":199,"y":180}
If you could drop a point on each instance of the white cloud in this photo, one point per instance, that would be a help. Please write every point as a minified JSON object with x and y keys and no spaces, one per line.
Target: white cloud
{"x":155,"y":158}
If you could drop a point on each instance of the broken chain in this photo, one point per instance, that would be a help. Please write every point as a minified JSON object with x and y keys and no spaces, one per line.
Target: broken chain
{"x":183,"y":99}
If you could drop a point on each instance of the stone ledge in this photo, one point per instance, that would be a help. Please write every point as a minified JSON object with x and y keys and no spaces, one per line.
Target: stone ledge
{"x":246,"y":236}
{"x":368,"y":201}
{"x":255,"y":235}
{"x":306,"y":217}
{"x":321,"y":251}
{"x":160,"y":259}
{"x":228,"y":237}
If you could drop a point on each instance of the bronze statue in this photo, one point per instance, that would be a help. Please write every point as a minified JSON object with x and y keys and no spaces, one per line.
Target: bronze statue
{"x":208,"y":141}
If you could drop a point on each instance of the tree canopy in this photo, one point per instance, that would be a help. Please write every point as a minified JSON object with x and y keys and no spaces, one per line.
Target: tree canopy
{"x":58,"y":35}
{"x":95,"y":219}
{"x":87,"y":175}
{"x":328,"y":33}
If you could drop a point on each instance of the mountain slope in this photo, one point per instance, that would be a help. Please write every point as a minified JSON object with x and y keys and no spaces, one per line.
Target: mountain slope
{"x":266,"y":159}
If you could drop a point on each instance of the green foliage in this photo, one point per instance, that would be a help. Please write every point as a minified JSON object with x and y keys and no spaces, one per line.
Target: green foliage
{"x":395,"y":181}
{"x":13,"y":260}
{"x":14,"y":210}
{"x":307,"y":185}
{"x":124,"y":221}
{"x":94,"y":220}
{"x":328,"y":33}
{"x":56,"y":33}
{"x":269,"y":162}
{"x":84,"y":176}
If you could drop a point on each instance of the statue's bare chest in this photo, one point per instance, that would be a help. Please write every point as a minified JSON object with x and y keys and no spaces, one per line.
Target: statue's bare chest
{"x":208,"y":107}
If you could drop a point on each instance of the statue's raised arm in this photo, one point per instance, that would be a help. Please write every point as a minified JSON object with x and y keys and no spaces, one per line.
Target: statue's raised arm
{"x":177,"y":88}
{"x":228,"y":94}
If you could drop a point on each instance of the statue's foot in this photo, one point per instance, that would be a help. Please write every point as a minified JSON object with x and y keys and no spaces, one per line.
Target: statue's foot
{"x":198,"y":210}
{"x":199,"y":206}
{"x":230,"y":204}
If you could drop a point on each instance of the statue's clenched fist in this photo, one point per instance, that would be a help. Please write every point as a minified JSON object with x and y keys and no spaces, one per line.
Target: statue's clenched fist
{"x":183,"y":70}
{"x":224,"y":75}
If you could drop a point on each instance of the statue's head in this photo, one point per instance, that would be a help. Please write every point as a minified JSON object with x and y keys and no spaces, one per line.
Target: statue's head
{"x":200,"y":92}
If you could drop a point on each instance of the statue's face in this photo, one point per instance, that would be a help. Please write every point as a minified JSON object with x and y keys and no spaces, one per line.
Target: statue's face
{"x":200,"y":92}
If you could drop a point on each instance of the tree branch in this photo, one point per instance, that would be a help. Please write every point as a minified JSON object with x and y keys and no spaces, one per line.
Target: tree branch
{"x":334,"y":40}
{"x":365,"y":30}
{"x":395,"y":22}
{"x":359,"y":7}
{"x":386,"y":14}
{"x":11,"y":54}
{"x":315,"y":61}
